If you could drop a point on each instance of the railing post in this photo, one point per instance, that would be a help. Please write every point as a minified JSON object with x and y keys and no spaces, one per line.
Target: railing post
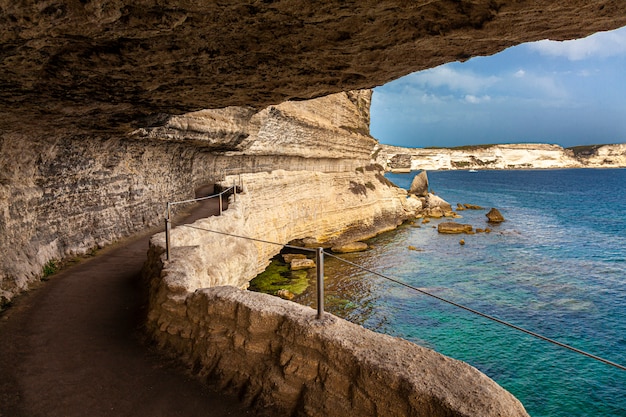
{"x":221,"y":194}
{"x":319,"y":261}
{"x":168,"y":228}
{"x":234,"y":191}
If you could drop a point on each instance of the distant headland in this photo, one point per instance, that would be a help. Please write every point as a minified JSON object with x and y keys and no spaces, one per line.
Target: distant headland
{"x":501,"y":156}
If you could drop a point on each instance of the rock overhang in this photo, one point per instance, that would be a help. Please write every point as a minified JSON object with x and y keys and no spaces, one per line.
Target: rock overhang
{"x":110,"y":65}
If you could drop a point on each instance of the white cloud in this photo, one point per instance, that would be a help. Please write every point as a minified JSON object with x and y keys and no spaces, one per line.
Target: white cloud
{"x":445,"y":76}
{"x":520,"y":73}
{"x":472,"y":99}
{"x":598,"y":45}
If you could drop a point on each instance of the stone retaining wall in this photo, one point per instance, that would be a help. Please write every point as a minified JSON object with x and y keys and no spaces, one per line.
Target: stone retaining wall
{"x":278,"y":356}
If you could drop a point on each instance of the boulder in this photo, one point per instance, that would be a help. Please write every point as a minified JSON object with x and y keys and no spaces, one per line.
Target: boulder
{"x":435,"y":212}
{"x":494,"y":216}
{"x":472,"y":207}
{"x":297,"y":264}
{"x":419,"y":186}
{"x":433,"y":201}
{"x":350,"y":247}
{"x":454,"y":228}
{"x":414,"y":203}
{"x":285,"y":294}
{"x":288,"y":257}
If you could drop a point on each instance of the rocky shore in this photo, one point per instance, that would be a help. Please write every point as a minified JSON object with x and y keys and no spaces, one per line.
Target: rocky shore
{"x":509,"y":156}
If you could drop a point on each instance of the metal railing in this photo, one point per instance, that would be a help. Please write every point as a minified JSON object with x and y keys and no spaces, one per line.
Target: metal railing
{"x":170,"y":204}
{"x":319,"y":255}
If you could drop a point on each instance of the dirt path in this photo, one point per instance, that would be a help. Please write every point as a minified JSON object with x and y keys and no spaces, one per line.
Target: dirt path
{"x":73,"y":348}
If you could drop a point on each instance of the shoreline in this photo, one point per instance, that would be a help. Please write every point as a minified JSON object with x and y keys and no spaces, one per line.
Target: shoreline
{"x":499,"y":157}
{"x":499,"y":169}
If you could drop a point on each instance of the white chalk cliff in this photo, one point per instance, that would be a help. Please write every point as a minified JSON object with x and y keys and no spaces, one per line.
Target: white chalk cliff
{"x":505,"y":156}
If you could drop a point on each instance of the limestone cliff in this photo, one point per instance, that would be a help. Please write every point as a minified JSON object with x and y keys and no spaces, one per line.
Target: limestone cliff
{"x":601,"y":156}
{"x":335,"y":127}
{"x":318,"y":208}
{"x":507,"y":156}
{"x":63,"y":196}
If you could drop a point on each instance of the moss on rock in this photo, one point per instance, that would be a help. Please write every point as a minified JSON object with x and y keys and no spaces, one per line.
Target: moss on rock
{"x":278,"y":276}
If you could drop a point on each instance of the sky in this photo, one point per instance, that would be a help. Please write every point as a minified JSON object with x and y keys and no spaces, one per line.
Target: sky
{"x":568,"y":93}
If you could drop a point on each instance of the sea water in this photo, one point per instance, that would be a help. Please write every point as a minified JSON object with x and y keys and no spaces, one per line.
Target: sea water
{"x":556,"y":266}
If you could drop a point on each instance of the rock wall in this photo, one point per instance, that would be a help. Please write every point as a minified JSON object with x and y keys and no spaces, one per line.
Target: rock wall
{"x":62,"y":196}
{"x":320,"y":209}
{"x":335,"y":126}
{"x":100,"y":64}
{"x":278,"y":356}
{"x":513,"y":156}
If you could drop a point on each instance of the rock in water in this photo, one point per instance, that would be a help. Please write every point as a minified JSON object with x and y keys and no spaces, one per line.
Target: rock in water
{"x":419,"y":186}
{"x":454,"y":228}
{"x":350,"y":247}
{"x":288,"y":257}
{"x":433,"y":201}
{"x":285,"y":294}
{"x":297,"y":264}
{"x":494,"y":216}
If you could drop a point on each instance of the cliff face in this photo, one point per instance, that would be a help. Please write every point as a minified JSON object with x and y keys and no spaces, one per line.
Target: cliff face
{"x":601,"y":156}
{"x":515,"y":156}
{"x":61,"y":197}
{"x":335,"y":127}
{"x":64,"y":196}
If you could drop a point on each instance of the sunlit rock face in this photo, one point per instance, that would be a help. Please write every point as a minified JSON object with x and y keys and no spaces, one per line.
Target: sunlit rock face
{"x":335,"y":126}
{"x":509,"y":156}
{"x":103,"y":65}
{"x":65,"y":195}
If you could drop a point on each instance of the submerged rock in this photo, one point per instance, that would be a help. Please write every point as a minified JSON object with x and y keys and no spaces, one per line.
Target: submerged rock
{"x":454,"y":228}
{"x":350,"y":247}
{"x":298,"y":264}
{"x":288,"y":257}
{"x":277,"y":276}
{"x":494,"y":216}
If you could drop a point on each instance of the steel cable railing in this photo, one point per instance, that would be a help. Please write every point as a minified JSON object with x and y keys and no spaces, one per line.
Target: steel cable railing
{"x":170,"y":204}
{"x":319,"y":253}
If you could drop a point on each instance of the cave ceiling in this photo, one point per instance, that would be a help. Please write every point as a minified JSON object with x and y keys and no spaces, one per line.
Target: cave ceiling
{"x":112,"y":64}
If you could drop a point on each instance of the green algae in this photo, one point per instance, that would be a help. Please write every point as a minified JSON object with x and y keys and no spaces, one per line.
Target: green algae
{"x":278,"y":276}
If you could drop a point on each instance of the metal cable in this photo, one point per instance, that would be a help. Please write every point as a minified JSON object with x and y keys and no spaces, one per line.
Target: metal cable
{"x":461,"y":306}
{"x":487,"y":316}
{"x":251,"y":238}
{"x":193,"y":200}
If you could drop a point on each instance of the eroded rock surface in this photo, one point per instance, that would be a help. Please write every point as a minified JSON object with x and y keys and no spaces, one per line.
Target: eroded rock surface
{"x":107,"y":64}
{"x":62,"y":196}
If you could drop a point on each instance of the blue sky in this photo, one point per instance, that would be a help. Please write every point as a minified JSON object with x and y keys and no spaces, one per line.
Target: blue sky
{"x":569,"y":93}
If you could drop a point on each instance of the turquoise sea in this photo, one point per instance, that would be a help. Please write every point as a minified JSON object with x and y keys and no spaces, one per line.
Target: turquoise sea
{"x":557,"y":267}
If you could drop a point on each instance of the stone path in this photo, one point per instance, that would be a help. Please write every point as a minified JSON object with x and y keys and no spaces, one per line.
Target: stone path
{"x":73,"y":348}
